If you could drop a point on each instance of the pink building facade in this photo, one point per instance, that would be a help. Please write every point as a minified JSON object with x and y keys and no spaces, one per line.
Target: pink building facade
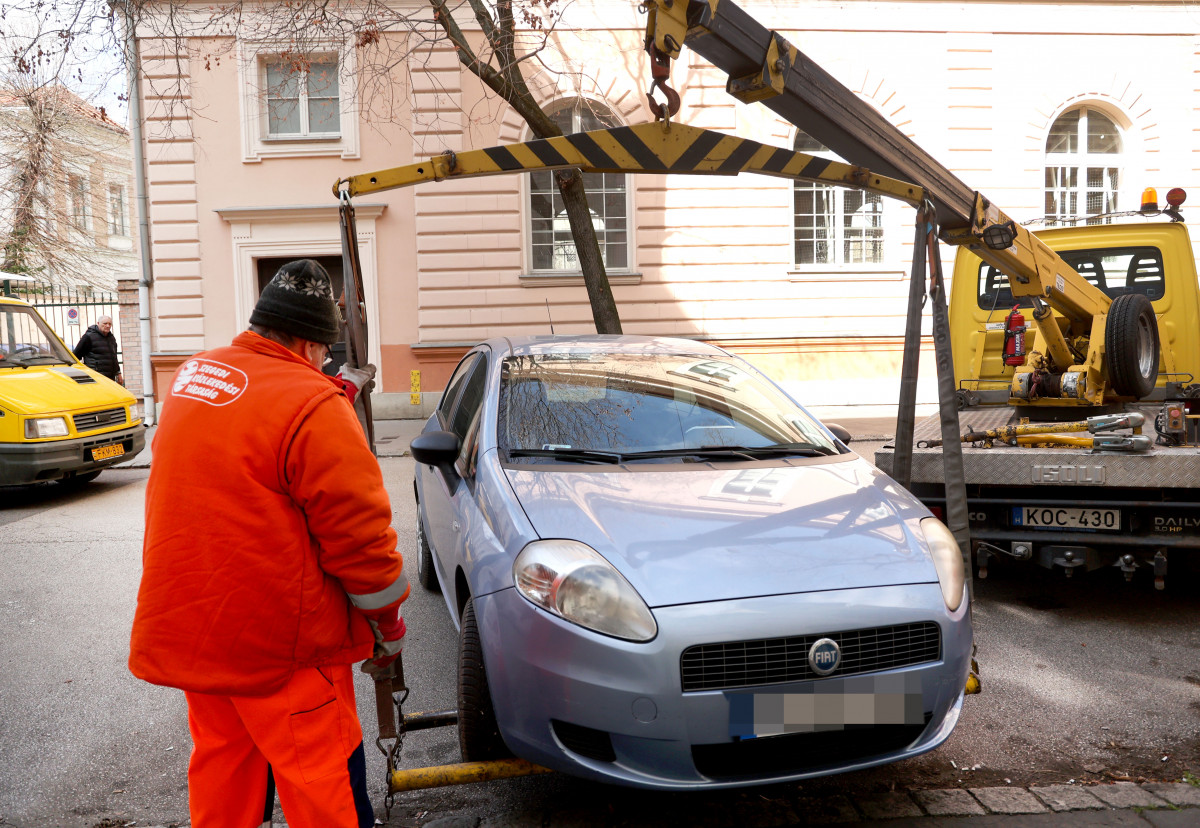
{"x":1049,"y":109}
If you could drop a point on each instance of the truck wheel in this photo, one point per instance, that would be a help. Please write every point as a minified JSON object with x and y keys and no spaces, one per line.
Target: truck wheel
{"x":425,"y":571}
{"x":478,"y":734}
{"x":1131,"y":346}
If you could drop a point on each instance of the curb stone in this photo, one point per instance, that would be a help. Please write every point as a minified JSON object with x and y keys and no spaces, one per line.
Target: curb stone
{"x":888,"y":806}
{"x":1177,"y":793}
{"x":1126,"y":795}
{"x":1008,"y":800}
{"x":1068,"y":798}
{"x":949,"y":802}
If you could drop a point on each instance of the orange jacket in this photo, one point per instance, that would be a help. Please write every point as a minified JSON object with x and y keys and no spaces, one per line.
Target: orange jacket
{"x":266,"y":519}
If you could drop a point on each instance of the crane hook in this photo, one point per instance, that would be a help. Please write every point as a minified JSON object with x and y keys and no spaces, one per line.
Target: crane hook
{"x":660,"y":72}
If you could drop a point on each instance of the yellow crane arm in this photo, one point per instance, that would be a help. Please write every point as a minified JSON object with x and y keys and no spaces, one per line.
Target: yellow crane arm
{"x":661,"y":147}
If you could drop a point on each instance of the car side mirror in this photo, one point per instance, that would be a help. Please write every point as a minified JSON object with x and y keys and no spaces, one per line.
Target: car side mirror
{"x":839,"y":432}
{"x":437,"y":448}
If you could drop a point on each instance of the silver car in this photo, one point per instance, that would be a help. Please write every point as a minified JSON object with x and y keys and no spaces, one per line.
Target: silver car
{"x":667,"y":574}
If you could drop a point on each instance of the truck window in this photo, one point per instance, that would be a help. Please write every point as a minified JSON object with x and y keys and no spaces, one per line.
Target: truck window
{"x":1115,"y":270}
{"x":26,"y":340}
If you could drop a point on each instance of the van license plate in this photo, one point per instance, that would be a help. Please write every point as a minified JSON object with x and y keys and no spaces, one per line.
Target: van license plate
{"x":105,"y":452}
{"x":1067,"y":517}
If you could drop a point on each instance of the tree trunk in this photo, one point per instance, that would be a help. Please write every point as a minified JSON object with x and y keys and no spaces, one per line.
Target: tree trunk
{"x":595,"y":279}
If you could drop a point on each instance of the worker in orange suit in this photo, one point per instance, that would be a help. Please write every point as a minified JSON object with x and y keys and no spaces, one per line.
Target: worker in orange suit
{"x":269,"y":567}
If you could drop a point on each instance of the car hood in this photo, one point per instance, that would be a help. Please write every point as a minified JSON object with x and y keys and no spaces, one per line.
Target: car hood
{"x":57,"y":389}
{"x":717,"y":533}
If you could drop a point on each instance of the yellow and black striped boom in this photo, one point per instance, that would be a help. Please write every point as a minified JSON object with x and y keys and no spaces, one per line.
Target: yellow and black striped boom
{"x":662,"y":147}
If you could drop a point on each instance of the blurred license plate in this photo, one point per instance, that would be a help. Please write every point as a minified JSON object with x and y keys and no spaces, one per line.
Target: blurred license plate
{"x":829,"y":704}
{"x":105,"y":452}
{"x":1067,"y":517}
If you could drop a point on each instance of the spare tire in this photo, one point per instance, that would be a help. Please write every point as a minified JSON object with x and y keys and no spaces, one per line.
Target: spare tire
{"x":1131,"y":346}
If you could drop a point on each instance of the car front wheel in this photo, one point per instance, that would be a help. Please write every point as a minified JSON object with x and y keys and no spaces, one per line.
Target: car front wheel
{"x":478,"y":734}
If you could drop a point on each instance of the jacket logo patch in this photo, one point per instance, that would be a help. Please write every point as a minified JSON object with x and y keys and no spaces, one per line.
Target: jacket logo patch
{"x":211,"y":382}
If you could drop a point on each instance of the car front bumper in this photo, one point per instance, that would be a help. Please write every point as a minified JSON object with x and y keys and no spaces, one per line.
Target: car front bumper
{"x":615,"y":711}
{"x":23,"y":463}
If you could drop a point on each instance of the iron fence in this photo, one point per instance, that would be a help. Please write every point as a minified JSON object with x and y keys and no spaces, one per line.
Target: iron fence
{"x":69,"y":310}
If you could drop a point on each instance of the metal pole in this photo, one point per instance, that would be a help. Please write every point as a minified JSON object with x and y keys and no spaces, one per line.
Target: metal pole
{"x":149,"y":407}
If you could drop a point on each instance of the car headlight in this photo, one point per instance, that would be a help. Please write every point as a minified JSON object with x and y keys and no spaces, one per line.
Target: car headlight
{"x":573,"y":581}
{"x":947,"y":559}
{"x":40,"y":427}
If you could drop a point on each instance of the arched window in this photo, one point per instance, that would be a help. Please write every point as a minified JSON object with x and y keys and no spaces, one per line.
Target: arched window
{"x":552,"y":247}
{"x":1083,"y":165}
{"x":835,"y":225}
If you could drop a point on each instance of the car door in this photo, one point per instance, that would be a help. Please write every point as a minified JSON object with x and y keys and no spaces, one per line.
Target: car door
{"x":440,"y":490}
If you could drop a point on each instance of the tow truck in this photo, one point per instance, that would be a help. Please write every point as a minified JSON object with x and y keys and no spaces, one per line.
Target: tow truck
{"x":1088,"y":351}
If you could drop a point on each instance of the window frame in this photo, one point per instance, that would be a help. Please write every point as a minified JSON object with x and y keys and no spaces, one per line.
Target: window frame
{"x":303,"y":97}
{"x":258,"y":144}
{"x":1081,"y":160}
{"x":79,"y":201}
{"x":122,"y":214}
{"x":890,"y":223}
{"x":605,"y":113}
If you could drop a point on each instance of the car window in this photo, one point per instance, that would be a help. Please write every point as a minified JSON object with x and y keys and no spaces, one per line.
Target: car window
{"x":472,"y":399}
{"x":455,"y":386}
{"x":1115,"y":270}
{"x":629,"y":403}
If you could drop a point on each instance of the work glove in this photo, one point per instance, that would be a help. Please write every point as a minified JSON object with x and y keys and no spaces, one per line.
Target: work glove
{"x":355,"y":379}
{"x":389,"y":642}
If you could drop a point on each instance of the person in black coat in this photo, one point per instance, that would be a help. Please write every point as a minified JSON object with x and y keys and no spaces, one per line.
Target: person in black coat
{"x":97,"y":349}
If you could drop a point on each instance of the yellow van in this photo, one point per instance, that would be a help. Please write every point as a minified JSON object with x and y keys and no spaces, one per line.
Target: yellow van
{"x":59,"y":420}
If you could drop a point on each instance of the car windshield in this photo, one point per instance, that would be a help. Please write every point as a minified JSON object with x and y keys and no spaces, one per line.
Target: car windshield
{"x":26,"y":340}
{"x":617,"y":407}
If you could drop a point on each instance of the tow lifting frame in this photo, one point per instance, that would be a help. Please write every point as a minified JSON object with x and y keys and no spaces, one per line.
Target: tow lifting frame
{"x":764,"y":67}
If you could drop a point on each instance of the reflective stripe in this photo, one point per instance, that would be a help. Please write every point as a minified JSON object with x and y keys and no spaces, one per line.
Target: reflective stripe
{"x":376,"y":600}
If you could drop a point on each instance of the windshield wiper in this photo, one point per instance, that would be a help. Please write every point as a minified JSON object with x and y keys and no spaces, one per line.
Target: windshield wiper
{"x":737,"y":452}
{"x":580,"y":455}
{"x":56,"y":360}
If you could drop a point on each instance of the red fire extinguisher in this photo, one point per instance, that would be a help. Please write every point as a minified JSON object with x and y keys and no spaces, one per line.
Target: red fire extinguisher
{"x":1014,"y":337}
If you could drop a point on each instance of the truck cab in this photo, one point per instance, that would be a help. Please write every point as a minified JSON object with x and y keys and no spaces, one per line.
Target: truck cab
{"x":1153,"y":259}
{"x":59,"y":420}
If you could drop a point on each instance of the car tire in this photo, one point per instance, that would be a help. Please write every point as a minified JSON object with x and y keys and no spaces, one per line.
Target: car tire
{"x":426,"y":574}
{"x":479,"y":737}
{"x":1131,"y":346}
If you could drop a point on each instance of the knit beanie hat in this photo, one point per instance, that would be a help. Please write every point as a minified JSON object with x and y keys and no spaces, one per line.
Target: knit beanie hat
{"x":299,"y":301}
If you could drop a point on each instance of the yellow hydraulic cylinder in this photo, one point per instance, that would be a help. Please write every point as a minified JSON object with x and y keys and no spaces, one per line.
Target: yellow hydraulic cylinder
{"x":439,"y":776}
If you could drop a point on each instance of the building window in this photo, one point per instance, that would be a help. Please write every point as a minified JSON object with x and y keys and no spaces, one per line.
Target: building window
{"x":78,"y":206}
{"x":1083,"y":173}
{"x":302,"y":96}
{"x":835,"y":225}
{"x":118,"y":214}
{"x":552,"y":246}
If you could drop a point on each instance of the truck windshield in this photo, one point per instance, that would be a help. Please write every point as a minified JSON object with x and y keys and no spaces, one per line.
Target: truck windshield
{"x":624,"y":405}
{"x":26,"y":340}
{"x":1115,"y":270}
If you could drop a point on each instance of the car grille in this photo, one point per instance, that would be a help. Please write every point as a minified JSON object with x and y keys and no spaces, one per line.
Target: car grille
{"x":782,"y":660}
{"x":799,"y":752}
{"x":99,"y":419}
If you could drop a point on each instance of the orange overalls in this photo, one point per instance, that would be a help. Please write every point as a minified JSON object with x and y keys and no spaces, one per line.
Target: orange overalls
{"x":268,"y":545}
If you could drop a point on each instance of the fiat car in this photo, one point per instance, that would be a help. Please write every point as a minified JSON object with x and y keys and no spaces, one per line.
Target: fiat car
{"x":667,"y":574}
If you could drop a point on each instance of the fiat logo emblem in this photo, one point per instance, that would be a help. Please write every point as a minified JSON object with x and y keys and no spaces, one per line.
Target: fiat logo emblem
{"x":824,"y":656}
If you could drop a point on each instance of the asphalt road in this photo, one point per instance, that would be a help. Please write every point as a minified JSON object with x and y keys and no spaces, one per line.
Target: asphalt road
{"x":1087,"y":680}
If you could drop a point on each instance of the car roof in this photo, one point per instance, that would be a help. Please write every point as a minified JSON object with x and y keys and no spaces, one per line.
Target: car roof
{"x":11,"y":300}
{"x":600,"y":344}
